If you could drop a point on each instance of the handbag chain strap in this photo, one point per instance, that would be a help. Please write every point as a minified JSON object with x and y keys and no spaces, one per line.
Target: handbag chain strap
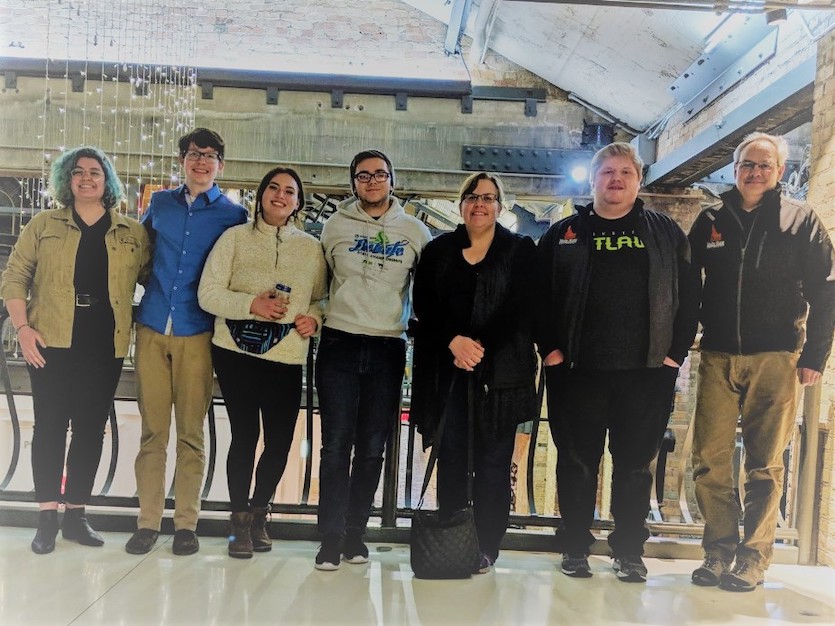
{"x":439,"y":431}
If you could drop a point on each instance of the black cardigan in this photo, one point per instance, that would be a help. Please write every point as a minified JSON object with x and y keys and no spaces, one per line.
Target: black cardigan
{"x":502,"y":320}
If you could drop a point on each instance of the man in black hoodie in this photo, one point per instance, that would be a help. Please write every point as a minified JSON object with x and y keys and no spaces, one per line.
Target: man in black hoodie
{"x":767,"y":260}
{"x":616,"y":317}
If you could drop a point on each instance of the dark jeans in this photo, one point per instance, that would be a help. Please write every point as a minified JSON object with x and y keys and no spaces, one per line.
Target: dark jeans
{"x":491,"y":466}
{"x":634,"y":406}
{"x":75,"y":387}
{"x":359,"y":381}
{"x":256,"y":391}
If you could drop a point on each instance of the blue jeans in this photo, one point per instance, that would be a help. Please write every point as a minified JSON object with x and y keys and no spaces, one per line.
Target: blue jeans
{"x":359,"y":380}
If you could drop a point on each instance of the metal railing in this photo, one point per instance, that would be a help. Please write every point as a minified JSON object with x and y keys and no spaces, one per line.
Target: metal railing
{"x":403,"y":470}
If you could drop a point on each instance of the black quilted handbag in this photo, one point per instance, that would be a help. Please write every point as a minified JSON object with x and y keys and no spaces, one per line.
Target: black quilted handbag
{"x":448,"y":548}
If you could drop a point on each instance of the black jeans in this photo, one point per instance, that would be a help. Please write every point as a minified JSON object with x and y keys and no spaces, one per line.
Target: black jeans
{"x":359,"y":379}
{"x":491,"y":467}
{"x":634,"y":406}
{"x":75,"y":387}
{"x":256,"y":391}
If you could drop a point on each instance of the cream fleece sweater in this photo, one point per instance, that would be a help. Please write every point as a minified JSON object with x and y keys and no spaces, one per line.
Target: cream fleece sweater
{"x":248,"y":260}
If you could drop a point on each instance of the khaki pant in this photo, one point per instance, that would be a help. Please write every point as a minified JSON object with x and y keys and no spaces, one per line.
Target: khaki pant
{"x":171,"y":371}
{"x":759,"y":390}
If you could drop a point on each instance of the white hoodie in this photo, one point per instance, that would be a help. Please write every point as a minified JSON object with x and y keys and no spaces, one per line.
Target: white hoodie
{"x":371,"y":263}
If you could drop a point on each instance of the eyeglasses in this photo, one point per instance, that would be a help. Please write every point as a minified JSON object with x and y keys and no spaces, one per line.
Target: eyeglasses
{"x":486,"y":198}
{"x":194,"y":155}
{"x":750,"y":166}
{"x":379,"y":176}
{"x":93,"y":174}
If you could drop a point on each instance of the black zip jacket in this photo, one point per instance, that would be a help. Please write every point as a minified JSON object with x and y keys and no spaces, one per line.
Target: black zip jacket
{"x":502,"y":319}
{"x":757,"y":289}
{"x":565,"y":268}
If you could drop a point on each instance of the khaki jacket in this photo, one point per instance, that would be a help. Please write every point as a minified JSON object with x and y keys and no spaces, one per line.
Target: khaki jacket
{"x":41,"y":269}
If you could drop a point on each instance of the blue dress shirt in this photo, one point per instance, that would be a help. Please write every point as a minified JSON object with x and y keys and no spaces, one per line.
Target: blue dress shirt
{"x":183,"y":236}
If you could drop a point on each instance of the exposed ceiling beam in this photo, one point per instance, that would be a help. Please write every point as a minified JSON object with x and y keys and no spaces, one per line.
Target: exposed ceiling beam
{"x":720,"y":6}
{"x":780,"y":107}
{"x":457,"y":24}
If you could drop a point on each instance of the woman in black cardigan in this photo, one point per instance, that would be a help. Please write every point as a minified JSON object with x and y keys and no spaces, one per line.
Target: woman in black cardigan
{"x":473,"y":294}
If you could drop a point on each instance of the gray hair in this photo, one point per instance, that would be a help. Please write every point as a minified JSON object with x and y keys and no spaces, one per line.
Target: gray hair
{"x":779,"y":143}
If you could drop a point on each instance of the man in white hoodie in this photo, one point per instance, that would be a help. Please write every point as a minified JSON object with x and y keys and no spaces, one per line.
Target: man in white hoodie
{"x":372,"y":247}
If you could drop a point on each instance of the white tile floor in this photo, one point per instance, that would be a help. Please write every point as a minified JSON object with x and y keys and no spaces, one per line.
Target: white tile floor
{"x":80,"y":586}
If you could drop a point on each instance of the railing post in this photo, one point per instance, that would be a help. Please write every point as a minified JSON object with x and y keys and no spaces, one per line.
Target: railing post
{"x":390,"y":474}
{"x":6,"y":381}
{"x":805,"y":494}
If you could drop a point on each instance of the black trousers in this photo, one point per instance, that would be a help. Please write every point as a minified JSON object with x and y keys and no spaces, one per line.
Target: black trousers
{"x":634,"y":407}
{"x":256,"y":391}
{"x":75,"y":388}
{"x":491,"y":468}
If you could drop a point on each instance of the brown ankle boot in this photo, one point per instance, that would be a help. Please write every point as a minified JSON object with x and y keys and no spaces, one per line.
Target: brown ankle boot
{"x":261,"y":541}
{"x":240,"y":541}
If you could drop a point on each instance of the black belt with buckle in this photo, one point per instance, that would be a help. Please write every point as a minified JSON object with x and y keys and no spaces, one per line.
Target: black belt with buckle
{"x":85,"y":300}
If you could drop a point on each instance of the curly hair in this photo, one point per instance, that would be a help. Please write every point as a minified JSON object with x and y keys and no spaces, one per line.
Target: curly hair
{"x":60,"y":187}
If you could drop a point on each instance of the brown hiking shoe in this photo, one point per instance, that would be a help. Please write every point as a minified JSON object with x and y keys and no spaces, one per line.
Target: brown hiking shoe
{"x":240,"y":540}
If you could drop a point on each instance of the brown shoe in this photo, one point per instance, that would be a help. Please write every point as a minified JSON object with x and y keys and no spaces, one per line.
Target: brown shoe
{"x":743,"y":576}
{"x":141,"y":541}
{"x":185,"y":542}
{"x":261,"y":541}
{"x":240,"y":541}
{"x":709,"y":573}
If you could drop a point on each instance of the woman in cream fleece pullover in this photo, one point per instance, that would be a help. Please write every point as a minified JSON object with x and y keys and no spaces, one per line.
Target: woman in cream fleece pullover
{"x":260,"y":343}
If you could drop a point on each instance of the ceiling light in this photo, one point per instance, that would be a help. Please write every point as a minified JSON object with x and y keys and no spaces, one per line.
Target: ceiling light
{"x":579,"y":173}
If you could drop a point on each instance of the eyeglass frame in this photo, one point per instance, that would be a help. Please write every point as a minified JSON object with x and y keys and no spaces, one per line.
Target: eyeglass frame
{"x":196,"y":155}
{"x":750,"y":166}
{"x":486,"y":198}
{"x":78,"y":172}
{"x":380,"y":176}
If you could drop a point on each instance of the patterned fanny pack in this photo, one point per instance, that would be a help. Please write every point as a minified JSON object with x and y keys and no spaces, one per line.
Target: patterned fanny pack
{"x":255,"y":336}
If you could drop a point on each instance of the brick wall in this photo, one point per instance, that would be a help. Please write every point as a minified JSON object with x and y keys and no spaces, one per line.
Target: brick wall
{"x":821,"y":194}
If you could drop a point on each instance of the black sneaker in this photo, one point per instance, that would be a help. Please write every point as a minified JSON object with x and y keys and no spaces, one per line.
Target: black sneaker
{"x":630,"y":569}
{"x":185,"y":542}
{"x":329,"y":554}
{"x":575,"y":565}
{"x":354,"y":550}
{"x":141,"y":541}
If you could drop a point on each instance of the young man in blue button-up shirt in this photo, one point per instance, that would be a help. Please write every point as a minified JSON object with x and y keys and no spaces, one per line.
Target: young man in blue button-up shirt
{"x":173,"y":340}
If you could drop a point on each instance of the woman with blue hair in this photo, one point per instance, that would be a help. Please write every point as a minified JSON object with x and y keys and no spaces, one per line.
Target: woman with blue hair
{"x":68,"y":288}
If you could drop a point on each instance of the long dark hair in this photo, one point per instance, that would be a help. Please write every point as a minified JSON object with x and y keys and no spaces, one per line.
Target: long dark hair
{"x":259,"y":208}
